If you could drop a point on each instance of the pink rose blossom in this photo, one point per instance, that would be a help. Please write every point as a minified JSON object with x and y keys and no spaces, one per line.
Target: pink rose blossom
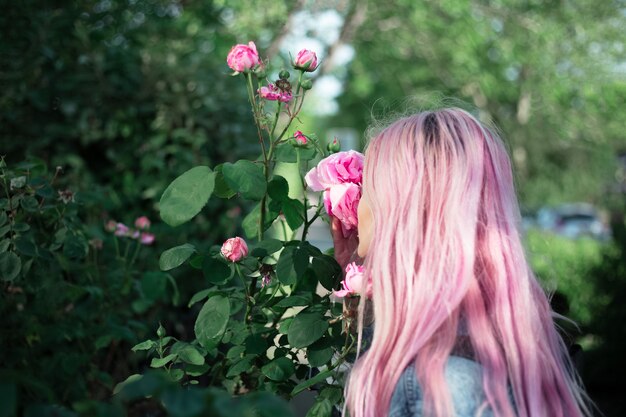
{"x":142,"y":223}
{"x":146,"y":238}
{"x":121,"y":230}
{"x":300,"y":138}
{"x":135,"y":234}
{"x":338,"y":168}
{"x":353,"y":282}
{"x":273,"y":93}
{"x":306,"y":60}
{"x":234,"y":249}
{"x":342,"y":201}
{"x":243,"y":57}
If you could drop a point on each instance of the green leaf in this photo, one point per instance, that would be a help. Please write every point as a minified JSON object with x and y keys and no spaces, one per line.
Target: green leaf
{"x":21,"y":227}
{"x":250,"y":223}
{"x":188,"y":353}
{"x":145,"y":345}
{"x":174,"y":257}
{"x":292,"y":263}
{"x":235,"y":352}
{"x":25,"y":246}
{"x":278,"y":188}
{"x":294,"y":213}
{"x":242,"y":365}
{"x":327,"y":271}
{"x":159,"y":362}
{"x":306,"y":328}
{"x":287,"y":153}
{"x":212,"y":320}
{"x":75,"y":247}
{"x":216,"y":271}
{"x":295,"y":300}
{"x":333,"y":394}
{"x":3,"y":217}
{"x":186,"y":195}
{"x":279,"y":369}
{"x":265,"y":248}
{"x":222,"y":190}
{"x":199,"y":296}
{"x":321,"y":408}
{"x":4,"y":245}
{"x":319,"y":353}
{"x":310,"y":382}
{"x":245,"y":177}
{"x":255,"y":344}
{"x":10,"y":265}
{"x":29,"y":203}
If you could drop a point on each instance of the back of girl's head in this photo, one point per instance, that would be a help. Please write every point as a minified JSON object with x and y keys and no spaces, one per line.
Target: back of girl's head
{"x":447,"y":249}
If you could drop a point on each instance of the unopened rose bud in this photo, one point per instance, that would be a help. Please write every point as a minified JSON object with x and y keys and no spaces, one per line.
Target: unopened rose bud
{"x":283,"y":75}
{"x":306,"y":61}
{"x":334,"y":146}
{"x":306,"y":84}
{"x":234,"y":249}
{"x":299,"y":138}
{"x":161,"y":331}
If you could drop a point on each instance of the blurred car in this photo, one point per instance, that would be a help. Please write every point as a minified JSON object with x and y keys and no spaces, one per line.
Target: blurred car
{"x":573,"y":220}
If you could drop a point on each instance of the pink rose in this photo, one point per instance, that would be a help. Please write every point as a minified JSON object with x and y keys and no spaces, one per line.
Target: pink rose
{"x":146,"y":238}
{"x":300,"y":138}
{"x":273,"y":93}
{"x":342,"y":201}
{"x":135,"y":234}
{"x":338,"y":168}
{"x":243,"y":58}
{"x":142,"y":223}
{"x":353,"y":282}
{"x":306,"y":61}
{"x":121,"y":229}
{"x":234,"y":249}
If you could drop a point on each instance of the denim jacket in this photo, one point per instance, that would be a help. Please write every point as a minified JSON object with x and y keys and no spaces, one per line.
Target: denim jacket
{"x":464,"y":378}
{"x":463,"y":375}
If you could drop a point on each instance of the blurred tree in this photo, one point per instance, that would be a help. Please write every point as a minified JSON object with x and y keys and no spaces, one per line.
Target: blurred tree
{"x":548,"y":74}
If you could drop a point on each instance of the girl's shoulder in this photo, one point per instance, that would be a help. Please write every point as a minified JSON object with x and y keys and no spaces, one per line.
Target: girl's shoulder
{"x":464,"y":378}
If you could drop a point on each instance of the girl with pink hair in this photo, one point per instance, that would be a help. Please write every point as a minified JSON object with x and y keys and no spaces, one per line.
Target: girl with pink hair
{"x":461,"y":325}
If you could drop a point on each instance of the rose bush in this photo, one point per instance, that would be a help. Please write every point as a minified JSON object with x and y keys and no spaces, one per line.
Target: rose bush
{"x":266,"y":321}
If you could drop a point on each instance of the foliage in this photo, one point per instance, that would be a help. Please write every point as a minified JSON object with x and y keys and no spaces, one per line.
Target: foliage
{"x":564,"y":265}
{"x":66,"y":290}
{"x":548,"y":74}
{"x":253,"y":335}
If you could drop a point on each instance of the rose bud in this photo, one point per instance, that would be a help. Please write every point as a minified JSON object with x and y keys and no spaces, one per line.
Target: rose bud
{"x":306,"y":61}
{"x":283,"y":75}
{"x":242,"y":58}
{"x":306,"y":84}
{"x":299,"y":137}
{"x":334,"y":146}
{"x":234,"y":249}
{"x":142,"y":223}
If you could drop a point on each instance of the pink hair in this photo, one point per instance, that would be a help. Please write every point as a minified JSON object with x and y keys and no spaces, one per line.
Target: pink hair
{"x":447,"y":248}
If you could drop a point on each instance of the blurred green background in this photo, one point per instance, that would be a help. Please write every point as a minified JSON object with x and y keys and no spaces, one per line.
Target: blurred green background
{"x":125,"y":95}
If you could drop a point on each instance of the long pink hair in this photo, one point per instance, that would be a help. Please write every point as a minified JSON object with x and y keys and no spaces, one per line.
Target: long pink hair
{"x":447,"y":247}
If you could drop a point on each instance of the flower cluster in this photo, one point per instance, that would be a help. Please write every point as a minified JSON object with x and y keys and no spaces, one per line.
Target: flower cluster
{"x":340,"y":176}
{"x":353,"y":284}
{"x":245,"y":59}
{"x":142,"y":224}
